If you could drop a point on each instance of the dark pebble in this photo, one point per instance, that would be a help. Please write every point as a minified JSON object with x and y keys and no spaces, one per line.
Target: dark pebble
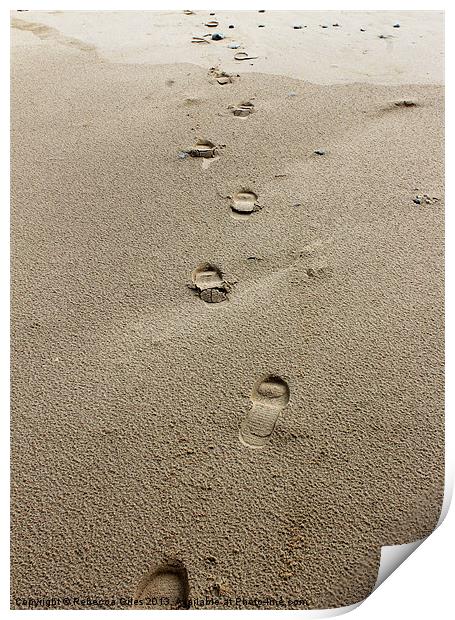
{"x":231,"y":26}
{"x":297,"y":27}
{"x":362,"y":29}
{"x":261,"y":11}
{"x":319,"y":152}
{"x":261,"y":26}
{"x":217,"y":36}
{"x":396,"y":25}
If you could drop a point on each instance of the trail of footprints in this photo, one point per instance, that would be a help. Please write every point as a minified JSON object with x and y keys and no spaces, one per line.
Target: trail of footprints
{"x":167,"y":584}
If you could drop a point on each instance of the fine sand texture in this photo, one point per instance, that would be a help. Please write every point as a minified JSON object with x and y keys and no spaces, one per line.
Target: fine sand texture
{"x":227,"y":308}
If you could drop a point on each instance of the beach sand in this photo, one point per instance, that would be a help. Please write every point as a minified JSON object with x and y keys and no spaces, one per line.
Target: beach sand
{"x":265,"y":446}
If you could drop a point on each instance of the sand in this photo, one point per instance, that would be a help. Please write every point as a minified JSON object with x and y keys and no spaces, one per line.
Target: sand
{"x":166,"y":448}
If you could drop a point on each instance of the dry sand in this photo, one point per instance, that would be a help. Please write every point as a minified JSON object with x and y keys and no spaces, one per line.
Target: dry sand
{"x":267,"y":445}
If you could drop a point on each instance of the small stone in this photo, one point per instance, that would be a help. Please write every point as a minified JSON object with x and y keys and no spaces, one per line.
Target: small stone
{"x":297,"y":27}
{"x":234,"y":46}
{"x":425,"y":199}
{"x":183,"y":154}
{"x":292,"y":94}
{"x":362,"y":30}
{"x":396,"y":25}
{"x":336,"y":25}
{"x":324,"y":26}
{"x":319,"y":152}
{"x":231,"y":26}
{"x":261,"y":26}
{"x":217,"y":36}
{"x":261,"y":11}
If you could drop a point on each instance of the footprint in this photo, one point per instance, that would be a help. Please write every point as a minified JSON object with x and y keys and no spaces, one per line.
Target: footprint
{"x":244,"y":203}
{"x":243,"y":109}
{"x":221,"y":76}
{"x":166,"y":585}
{"x":270,"y":396}
{"x":209,"y":283}
{"x":203,"y":148}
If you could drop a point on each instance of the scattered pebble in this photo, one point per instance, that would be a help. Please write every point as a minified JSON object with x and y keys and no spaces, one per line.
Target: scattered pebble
{"x":231,"y":26}
{"x":297,"y":204}
{"x":319,"y":152}
{"x":424,"y":199}
{"x":396,"y":25}
{"x":362,"y":30}
{"x":336,"y":25}
{"x":292,"y":94}
{"x":384,"y":36}
{"x":297,"y":27}
{"x":261,"y":26}
{"x":261,"y":11}
{"x":234,"y":46}
{"x":324,"y":26}
{"x":217,"y":36}
{"x":244,"y":56}
{"x":183,"y":154}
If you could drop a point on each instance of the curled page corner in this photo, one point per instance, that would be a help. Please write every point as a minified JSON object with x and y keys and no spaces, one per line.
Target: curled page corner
{"x":391,"y":558}
{"x":394,"y":555}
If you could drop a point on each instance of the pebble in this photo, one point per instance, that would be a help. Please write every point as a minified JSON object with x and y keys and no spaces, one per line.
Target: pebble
{"x":362,"y":29}
{"x":217,"y":36}
{"x":396,"y":25}
{"x":336,"y":25}
{"x":234,"y":46}
{"x":319,"y":152}
{"x":183,"y":155}
{"x":292,"y":94}
{"x":297,"y":27}
{"x":261,"y":26}
{"x":231,"y":26}
{"x":424,"y":199}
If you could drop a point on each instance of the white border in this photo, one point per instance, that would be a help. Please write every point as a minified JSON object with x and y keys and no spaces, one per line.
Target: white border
{"x":417,"y":590}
